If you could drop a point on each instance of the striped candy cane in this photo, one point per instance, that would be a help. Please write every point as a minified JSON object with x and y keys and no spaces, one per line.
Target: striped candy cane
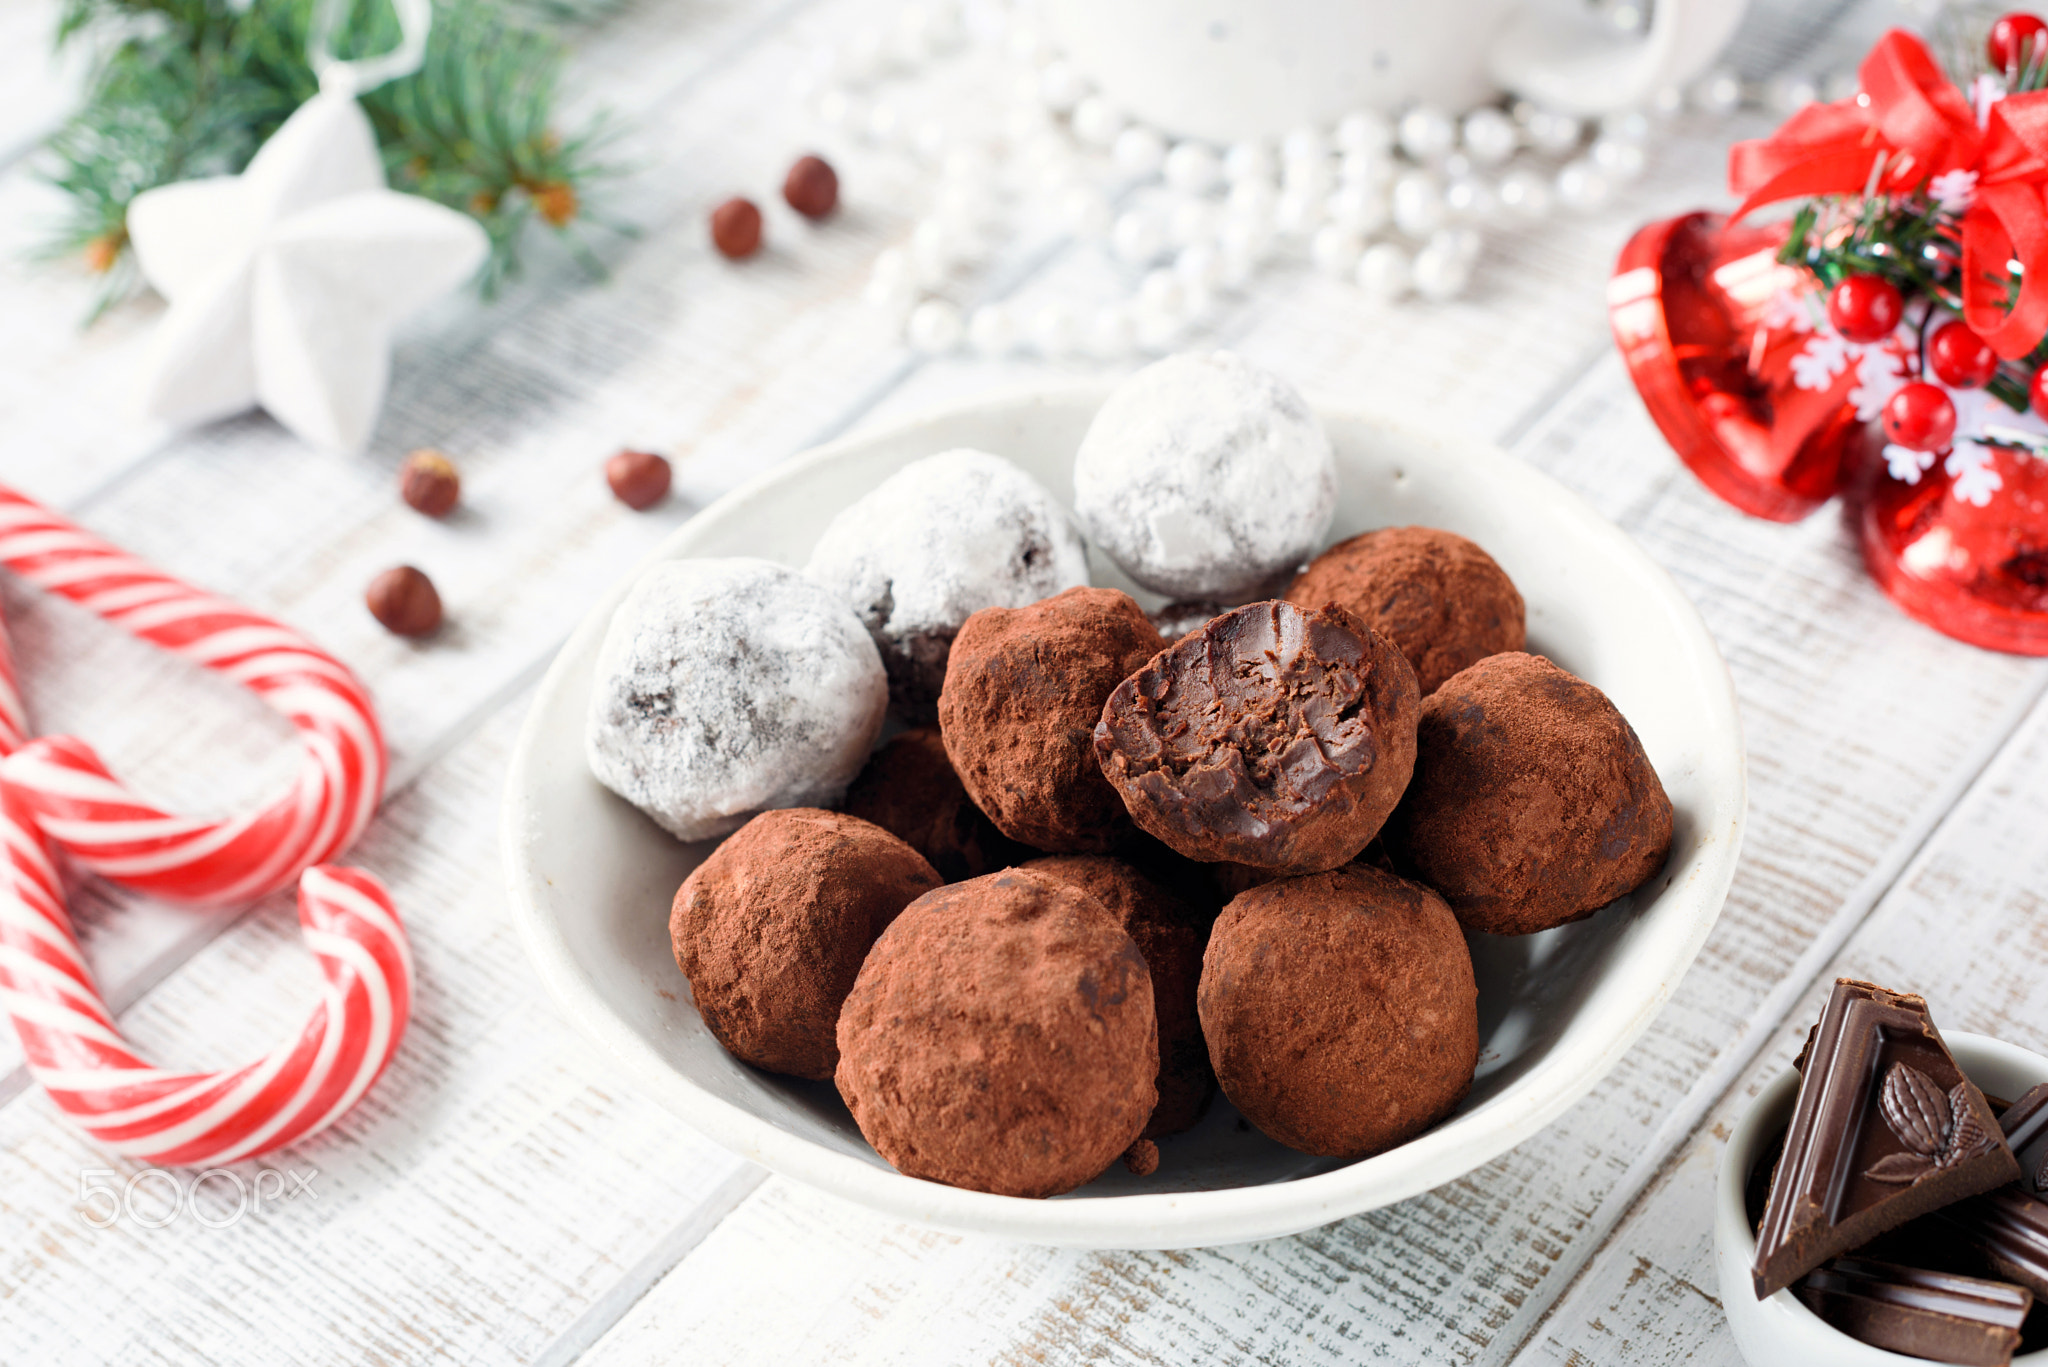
{"x":55,"y":792}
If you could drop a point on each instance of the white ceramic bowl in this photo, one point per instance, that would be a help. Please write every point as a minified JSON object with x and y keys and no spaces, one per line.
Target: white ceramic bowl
{"x":591,"y":879}
{"x":1778,"y":1329}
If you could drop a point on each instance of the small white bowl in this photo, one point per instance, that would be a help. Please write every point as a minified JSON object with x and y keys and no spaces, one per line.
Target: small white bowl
{"x":1778,"y":1329}
{"x":591,"y":879}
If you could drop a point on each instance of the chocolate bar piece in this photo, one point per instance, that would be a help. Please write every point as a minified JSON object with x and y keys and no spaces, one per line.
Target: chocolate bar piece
{"x":2006,"y":1231}
{"x":1924,"y":1314}
{"x":1885,"y":1128}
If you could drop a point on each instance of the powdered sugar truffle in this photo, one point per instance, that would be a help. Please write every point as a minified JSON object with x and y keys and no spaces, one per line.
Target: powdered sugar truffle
{"x":935,"y":543}
{"x":1204,"y":476}
{"x":728,"y":687}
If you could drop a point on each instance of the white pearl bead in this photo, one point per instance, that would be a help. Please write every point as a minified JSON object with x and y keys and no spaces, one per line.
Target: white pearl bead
{"x":840,"y":109}
{"x":1427,"y":133}
{"x":1551,"y":133}
{"x":1085,"y":211}
{"x":1159,"y":329}
{"x":1581,"y":186}
{"x":1248,"y":160}
{"x":1384,"y":271}
{"x":1525,"y":194}
{"x":1055,"y":331}
{"x":1336,"y":249}
{"x":1489,"y":136}
{"x":1630,"y":125}
{"x":910,"y":37}
{"x":1199,"y":266}
{"x":1251,"y":199}
{"x":885,"y":123}
{"x":1191,"y":221}
{"x":992,"y":330}
{"x":1137,"y":237}
{"x":1060,"y":87}
{"x":1359,"y":208}
{"x":1621,"y":161}
{"x":1304,"y":144}
{"x":1139,"y":151}
{"x":1308,"y":177}
{"x":1191,"y":168}
{"x":1471,"y":200}
{"x":1364,"y":130}
{"x":1718,"y":92}
{"x":935,"y":327}
{"x":1418,"y":204}
{"x":1025,"y":121}
{"x":1197,"y":303}
{"x":929,"y":141}
{"x":1160,"y":291}
{"x":864,"y":57}
{"x":1374,"y":170}
{"x":1297,"y":213}
{"x":946,"y":25}
{"x":961,"y":202}
{"x":1112,"y":332}
{"x":1440,"y":273}
{"x":1244,"y":245}
{"x":892,"y":281}
{"x":1097,"y":121}
{"x":1463,"y":243}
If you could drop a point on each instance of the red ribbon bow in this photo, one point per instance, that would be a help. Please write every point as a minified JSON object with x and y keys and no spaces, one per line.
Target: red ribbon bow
{"x":1910,"y":124}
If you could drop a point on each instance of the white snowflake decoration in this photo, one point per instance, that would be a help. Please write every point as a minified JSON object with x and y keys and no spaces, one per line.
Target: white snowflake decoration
{"x":1825,"y":355}
{"x":1953,"y":192}
{"x":1969,"y":465}
{"x":1905,"y":464}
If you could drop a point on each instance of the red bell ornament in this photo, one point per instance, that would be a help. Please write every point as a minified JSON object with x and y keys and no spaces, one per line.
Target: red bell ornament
{"x":1960,"y":358}
{"x":1920,"y":417}
{"x":1690,"y":303}
{"x":1865,"y":308}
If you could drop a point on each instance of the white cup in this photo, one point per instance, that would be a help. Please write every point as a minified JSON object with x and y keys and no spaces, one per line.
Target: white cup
{"x":1222,"y":70}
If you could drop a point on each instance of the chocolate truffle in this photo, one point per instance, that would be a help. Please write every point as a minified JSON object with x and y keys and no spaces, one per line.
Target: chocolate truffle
{"x":1001,"y":1037}
{"x":727,"y":687}
{"x":1340,"y":1010}
{"x":1274,"y":737}
{"x":936,"y":542}
{"x":1166,"y":932}
{"x":910,"y":790}
{"x":1533,"y":803}
{"x":1441,"y":600}
{"x":1023,"y":692}
{"x":1204,"y":476}
{"x":773,"y":927}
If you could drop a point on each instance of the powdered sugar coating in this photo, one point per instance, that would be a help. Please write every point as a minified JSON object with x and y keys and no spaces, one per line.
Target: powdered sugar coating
{"x":1204,"y":476}
{"x":932,"y":545}
{"x":729,"y":687}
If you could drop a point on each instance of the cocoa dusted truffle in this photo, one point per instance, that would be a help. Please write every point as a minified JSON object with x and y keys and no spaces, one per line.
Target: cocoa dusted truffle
{"x":1533,"y":803}
{"x":771,"y":929}
{"x":1166,"y":932}
{"x":1275,"y":736}
{"x":1441,"y":600}
{"x":1340,"y":1010}
{"x":910,"y":790}
{"x":1024,"y":687}
{"x":1001,"y":1037}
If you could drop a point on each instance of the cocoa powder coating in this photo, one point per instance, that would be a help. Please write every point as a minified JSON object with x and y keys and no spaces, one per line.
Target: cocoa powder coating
{"x":1340,"y":1009}
{"x":772,"y":929}
{"x":1169,"y":934}
{"x":1533,"y":803}
{"x":1001,"y":1037}
{"x":1441,"y":600}
{"x":1024,"y":687}
{"x":1274,"y":736}
{"x":910,"y":790}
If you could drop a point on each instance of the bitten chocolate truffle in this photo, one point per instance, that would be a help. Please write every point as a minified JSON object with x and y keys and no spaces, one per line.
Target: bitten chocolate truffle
{"x":1340,"y":1010}
{"x":1440,"y":599}
{"x":773,"y":927}
{"x":1001,"y":1037}
{"x":1024,"y":687}
{"x":910,"y":790}
{"x":1166,"y":932}
{"x":1533,"y":803}
{"x":1275,"y":736}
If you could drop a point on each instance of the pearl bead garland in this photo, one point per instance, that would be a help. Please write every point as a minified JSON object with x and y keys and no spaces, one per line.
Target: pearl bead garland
{"x":1394,"y":205}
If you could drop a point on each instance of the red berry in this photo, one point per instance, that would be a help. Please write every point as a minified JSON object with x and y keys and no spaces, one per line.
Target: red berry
{"x":736,"y":229}
{"x":2037,"y":392}
{"x":1960,"y":358}
{"x":1865,"y":308}
{"x":1920,"y":417}
{"x":2016,"y":40}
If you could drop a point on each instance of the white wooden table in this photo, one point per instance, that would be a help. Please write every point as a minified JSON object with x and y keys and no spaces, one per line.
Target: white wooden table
{"x":503,"y":1195}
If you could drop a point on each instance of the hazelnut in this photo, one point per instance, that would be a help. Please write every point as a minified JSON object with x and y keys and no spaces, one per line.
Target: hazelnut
{"x":428,"y":483}
{"x":1142,"y":1158}
{"x":638,"y":478}
{"x":404,"y":601}
{"x":812,"y":188}
{"x":736,"y":228}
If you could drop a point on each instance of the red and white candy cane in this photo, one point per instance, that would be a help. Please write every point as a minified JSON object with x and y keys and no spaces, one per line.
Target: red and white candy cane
{"x":56,"y":792}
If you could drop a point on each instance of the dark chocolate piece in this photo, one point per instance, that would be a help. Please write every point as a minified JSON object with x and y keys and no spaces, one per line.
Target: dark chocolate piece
{"x":2005,"y":1232}
{"x":2025,"y":1123}
{"x":1886,"y":1128}
{"x":1923,"y":1314}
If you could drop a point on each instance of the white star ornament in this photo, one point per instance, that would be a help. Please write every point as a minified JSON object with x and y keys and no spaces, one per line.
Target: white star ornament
{"x":285,"y":282}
